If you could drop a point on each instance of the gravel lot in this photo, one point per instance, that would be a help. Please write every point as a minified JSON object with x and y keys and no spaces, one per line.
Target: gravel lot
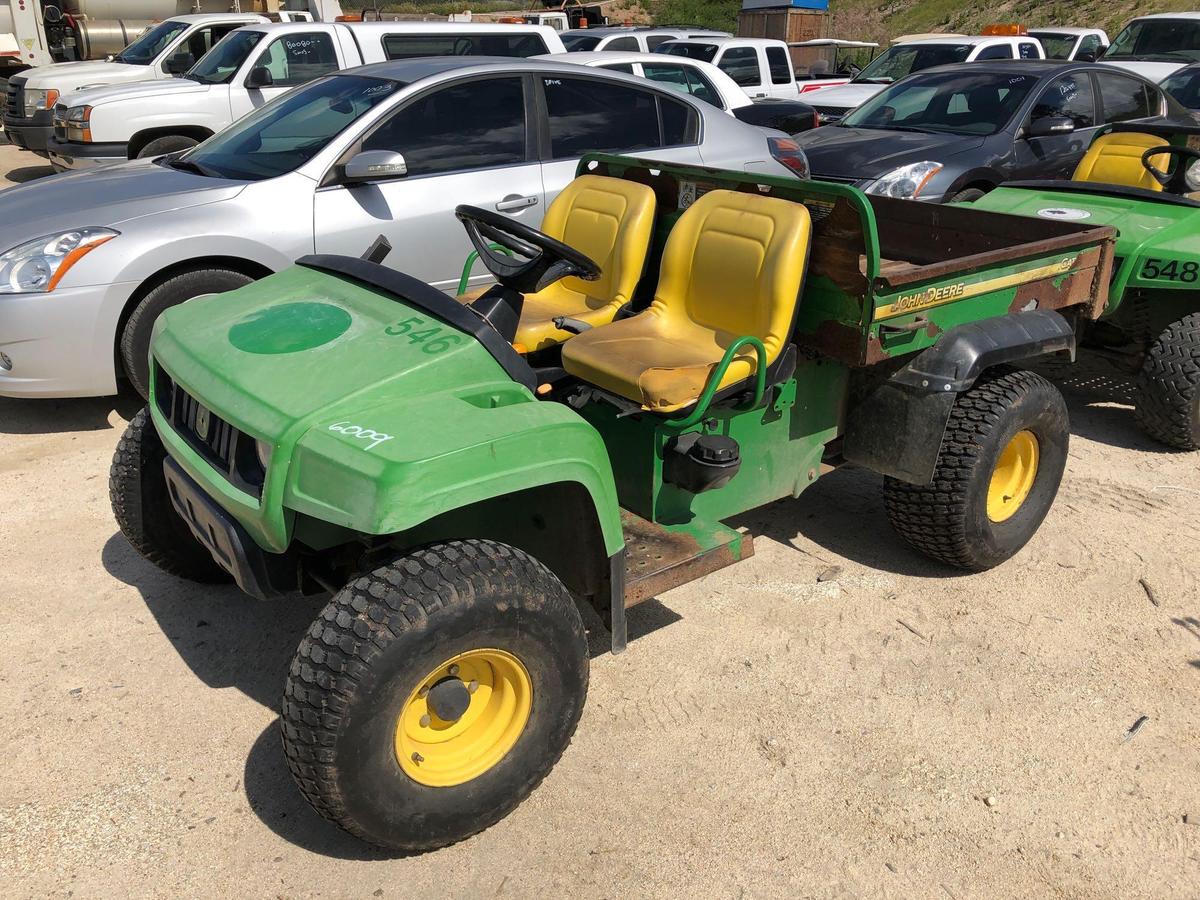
{"x":892,"y":729}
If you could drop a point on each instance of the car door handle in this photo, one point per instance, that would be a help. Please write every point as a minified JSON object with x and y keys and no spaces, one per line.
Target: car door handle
{"x":509,"y":203}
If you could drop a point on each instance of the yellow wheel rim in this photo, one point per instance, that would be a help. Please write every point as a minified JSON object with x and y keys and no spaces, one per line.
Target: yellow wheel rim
{"x":497,"y":693}
{"x":1013,"y":477}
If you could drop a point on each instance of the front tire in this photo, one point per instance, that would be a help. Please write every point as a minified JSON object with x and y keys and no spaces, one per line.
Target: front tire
{"x":172,"y":143}
{"x":968,"y":196}
{"x":434,"y":694}
{"x":135,"y":338}
{"x":137,"y":490}
{"x":997,"y":474}
{"x":1168,"y":402}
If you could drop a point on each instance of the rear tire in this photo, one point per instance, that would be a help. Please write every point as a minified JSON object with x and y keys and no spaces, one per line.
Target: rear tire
{"x":1168,"y":401}
{"x":137,"y":490}
{"x":367,"y":748}
{"x":1000,"y":465}
{"x":172,"y":143}
{"x":135,"y":338}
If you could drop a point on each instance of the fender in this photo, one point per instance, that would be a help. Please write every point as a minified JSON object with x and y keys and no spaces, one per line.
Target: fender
{"x":897,"y":429}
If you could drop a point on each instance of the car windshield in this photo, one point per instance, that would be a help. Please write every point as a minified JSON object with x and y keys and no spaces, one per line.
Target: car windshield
{"x":145,"y":48}
{"x":1057,"y":46}
{"x":1184,"y":86}
{"x":945,"y":103}
{"x":287,"y":132}
{"x":220,"y":63}
{"x":702,"y":52}
{"x":904,"y":59}
{"x":580,"y":41}
{"x":1158,"y":40}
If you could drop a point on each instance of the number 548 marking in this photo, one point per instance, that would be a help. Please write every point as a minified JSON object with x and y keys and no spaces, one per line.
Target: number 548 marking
{"x":432,"y":338}
{"x":1170,"y":270}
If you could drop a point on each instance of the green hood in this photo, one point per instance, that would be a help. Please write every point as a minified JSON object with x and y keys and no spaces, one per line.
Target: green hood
{"x":379,"y":414}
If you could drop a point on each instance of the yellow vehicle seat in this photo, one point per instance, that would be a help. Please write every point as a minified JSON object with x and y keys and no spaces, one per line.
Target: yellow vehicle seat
{"x":1117,"y":159}
{"x":609,"y":220}
{"x":732,"y":266}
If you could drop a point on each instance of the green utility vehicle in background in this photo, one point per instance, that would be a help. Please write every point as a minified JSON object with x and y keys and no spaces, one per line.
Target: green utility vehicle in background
{"x":459,"y":475}
{"x":1143,"y":180}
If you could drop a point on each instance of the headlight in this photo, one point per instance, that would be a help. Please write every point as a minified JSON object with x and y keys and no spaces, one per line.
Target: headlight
{"x":79,"y":124}
{"x":36,"y":99}
{"x":1192,"y":176}
{"x":37,"y":266}
{"x":906,"y":182}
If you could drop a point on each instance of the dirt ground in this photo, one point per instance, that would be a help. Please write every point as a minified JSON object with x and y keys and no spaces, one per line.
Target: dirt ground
{"x":835,"y":717}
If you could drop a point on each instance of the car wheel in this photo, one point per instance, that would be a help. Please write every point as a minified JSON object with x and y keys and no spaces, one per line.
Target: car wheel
{"x":997,"y":474}
{"x":135,"y":338}
{"x":433,"y":694}
{"x":967,"y":196}
{"x":172,"y":143}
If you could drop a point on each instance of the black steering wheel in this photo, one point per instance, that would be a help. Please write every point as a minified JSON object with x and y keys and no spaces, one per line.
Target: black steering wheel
{"x":1175,"y":180}
{"x":538,"y":260}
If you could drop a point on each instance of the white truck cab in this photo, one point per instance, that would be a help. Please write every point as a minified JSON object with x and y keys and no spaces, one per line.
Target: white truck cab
{"x":762,"y":67}
{"x":154,"y":55}
{"x":1083,"y":44}
{"x":1155,"y":46}
{"x":910,"y":56}
{"x":247,"y":69}
{"x":629,"y":38}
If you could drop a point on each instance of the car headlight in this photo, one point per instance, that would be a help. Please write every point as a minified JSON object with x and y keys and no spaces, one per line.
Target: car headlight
{"x":78,"y":123}
{"x":36,"y":99}
{"x":38,"y":266}
{"x":906,"y":182}
{"x":1192,"y":176}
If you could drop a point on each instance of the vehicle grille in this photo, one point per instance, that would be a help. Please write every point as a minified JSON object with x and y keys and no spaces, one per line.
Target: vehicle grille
{"x":14,"y":100}
{"x":836,"y":179}
{"x":60,"y":122}
{"x":227,"y":449}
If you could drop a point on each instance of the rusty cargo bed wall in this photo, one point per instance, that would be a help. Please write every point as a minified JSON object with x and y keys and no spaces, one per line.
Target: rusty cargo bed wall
{"x":928,"y":241}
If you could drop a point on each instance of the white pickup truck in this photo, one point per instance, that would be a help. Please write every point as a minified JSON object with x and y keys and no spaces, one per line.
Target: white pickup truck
{"x":250,"y":67}
{"x":912,"y":55}
{"x":32,"y":94}
{"x":1155,"y":46}
{"x":762,"y":67}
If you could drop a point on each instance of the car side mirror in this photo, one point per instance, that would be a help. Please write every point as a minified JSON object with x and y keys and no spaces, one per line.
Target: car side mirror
{"x":375,"y":165}
{"x":1049,"y":126}
{"x":1085,"y":56}
{"x":180,"y":63}
{"x":259,"y":77}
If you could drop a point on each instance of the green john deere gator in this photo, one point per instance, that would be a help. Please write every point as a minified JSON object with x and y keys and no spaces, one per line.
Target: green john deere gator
{"x":1143,"y":180}
{"x":678,"y":346}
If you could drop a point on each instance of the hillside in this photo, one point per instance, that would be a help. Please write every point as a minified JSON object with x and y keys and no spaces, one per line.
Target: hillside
{"x":871,"y":20}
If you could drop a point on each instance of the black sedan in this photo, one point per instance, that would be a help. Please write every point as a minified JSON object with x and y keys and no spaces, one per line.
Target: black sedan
{"x":955,"y":132}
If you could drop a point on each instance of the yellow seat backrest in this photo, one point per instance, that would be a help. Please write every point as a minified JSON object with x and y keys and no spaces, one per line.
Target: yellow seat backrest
{"x":1117,"y":159}
{"x":611,"y":221}
{"x":731,"y":266}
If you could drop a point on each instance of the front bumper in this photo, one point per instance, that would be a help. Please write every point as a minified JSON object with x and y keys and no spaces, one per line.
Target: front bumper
{"x":258,"y":573}
{"x":66,"y":155}
{"x":30,"y":134}
{"x":61,"y":344}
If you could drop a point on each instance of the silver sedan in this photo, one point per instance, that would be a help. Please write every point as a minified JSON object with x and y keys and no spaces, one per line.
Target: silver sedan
{"x":385,"y":149}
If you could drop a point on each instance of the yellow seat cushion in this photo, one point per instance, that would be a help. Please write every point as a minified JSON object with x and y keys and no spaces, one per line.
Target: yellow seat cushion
{"x":733,"y":266}
{"x":1117,"y":159}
